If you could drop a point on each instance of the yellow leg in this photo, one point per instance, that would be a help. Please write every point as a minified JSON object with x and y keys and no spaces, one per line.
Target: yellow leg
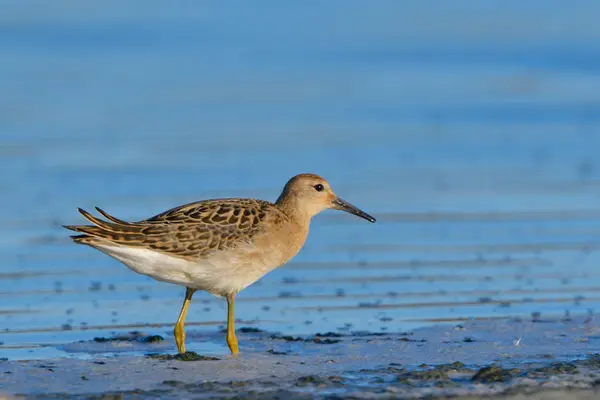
{"x":179,"y":331}
{"x":231,"y":339}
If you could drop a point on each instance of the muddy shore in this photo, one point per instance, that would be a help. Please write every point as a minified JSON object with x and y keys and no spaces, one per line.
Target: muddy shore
{"x":506,"y":359}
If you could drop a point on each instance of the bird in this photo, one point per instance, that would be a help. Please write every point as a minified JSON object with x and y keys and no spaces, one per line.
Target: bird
{"x":220,"y":246}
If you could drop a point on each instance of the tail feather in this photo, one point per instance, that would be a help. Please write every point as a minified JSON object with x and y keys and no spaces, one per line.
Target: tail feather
{"x":85,"y":239}
{"x":115,"y":231}
{"x":111,"y":218}
{"x":96,"y":221}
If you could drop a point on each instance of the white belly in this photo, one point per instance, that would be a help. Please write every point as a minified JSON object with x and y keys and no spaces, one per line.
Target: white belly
{"x":220,"y":275}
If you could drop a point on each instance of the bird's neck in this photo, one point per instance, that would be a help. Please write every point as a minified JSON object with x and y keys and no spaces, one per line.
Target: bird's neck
{"x":300,"y":215}
{"x":295,"y":231}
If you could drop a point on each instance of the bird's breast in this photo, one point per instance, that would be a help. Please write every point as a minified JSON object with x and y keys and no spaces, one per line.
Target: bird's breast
{"x":282,"y":244}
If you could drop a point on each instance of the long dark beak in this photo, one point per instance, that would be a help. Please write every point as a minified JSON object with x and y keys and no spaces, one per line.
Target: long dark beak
{"x":340,"y":204}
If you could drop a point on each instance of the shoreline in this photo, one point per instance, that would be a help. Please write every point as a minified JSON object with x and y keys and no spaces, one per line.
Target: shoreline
{"x":476,"y":358}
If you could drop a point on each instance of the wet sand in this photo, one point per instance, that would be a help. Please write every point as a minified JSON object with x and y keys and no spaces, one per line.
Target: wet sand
{"x":504,"y":359}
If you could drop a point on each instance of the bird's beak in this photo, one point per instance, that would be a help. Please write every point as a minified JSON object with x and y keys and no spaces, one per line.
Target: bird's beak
{"x":343,"y":205}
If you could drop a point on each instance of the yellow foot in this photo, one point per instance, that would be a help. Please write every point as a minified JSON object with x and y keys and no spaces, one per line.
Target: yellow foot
{"x":179,"y":334}
{"x":179,"y":329}
{"x":233,"y":345}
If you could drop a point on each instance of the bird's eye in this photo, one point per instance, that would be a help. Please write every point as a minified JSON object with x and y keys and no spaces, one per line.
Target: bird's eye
{"x":318,"y":187}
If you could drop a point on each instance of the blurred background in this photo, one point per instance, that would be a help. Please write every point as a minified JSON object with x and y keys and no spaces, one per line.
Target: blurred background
{"x":470,"y":129}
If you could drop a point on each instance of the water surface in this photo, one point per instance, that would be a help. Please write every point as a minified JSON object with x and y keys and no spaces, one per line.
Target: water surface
{"x":469,"y":129}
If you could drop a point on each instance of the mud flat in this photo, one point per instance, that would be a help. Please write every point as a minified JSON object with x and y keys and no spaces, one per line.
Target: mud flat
{"x":509,"y":359}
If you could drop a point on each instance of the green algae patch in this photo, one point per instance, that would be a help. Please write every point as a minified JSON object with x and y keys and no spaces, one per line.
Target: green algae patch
{"x":134,"y":336}
{"x":427,"y":375}
{"x":318,"y":338}
{"x":493,"y":374}
{"x":456,"y":366}
{"x":320,"y":381}
{"x":287,"y":338}
{"x":187,"y":356}
{"x":556,"y":368}
{"x":152,"y":339}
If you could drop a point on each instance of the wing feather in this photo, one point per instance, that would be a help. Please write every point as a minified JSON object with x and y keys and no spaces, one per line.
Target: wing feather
{"x":193,"y":230}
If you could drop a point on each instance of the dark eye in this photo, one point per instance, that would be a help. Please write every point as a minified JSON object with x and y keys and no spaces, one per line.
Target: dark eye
{"x":319,"y":187}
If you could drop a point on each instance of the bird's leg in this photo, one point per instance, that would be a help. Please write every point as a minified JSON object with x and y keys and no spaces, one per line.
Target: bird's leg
{"x":231,"y":339}
{"x":179,"y":331}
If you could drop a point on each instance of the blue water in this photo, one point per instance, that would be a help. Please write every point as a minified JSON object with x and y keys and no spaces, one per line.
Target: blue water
{"x":469,"y":128}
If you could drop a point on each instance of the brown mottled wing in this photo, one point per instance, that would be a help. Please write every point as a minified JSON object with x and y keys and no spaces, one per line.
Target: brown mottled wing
{"x":192,"y":230}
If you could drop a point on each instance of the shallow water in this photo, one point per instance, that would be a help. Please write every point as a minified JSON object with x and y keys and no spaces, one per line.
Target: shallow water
{"x":469,"y":129}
